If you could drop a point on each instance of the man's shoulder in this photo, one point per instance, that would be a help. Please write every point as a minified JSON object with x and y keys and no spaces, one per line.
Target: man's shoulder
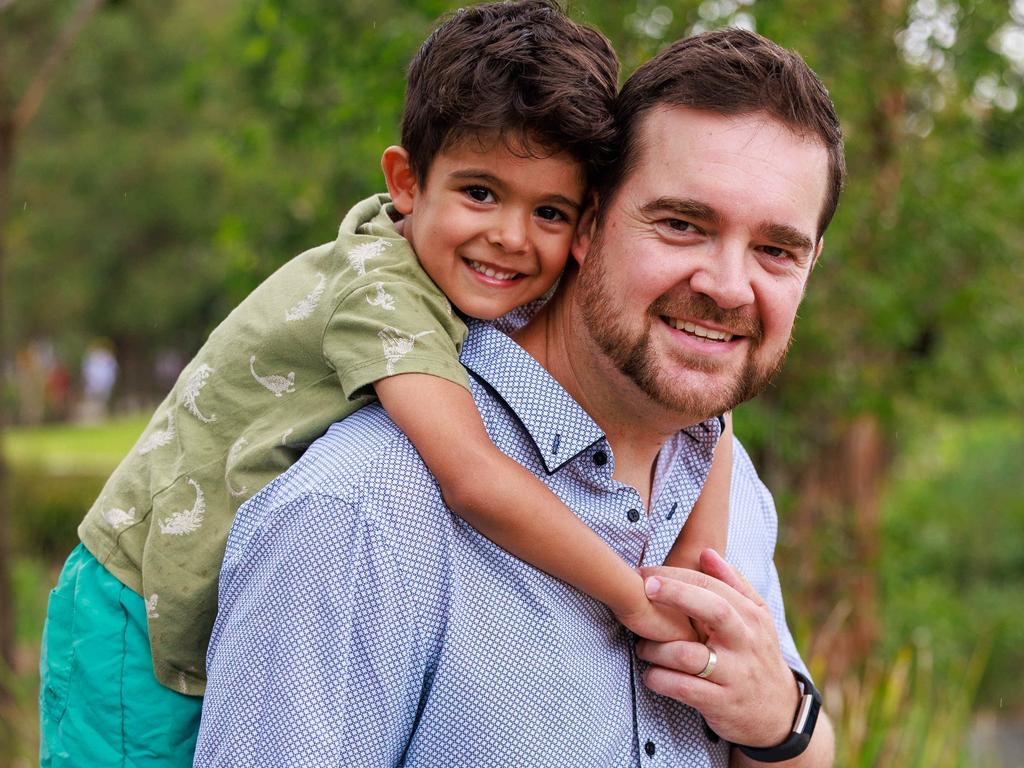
{"x":353,"y":456}
{"x":753,"y":521}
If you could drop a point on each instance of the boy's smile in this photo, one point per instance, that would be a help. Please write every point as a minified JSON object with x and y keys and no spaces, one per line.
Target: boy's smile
{"x":491,"y":225}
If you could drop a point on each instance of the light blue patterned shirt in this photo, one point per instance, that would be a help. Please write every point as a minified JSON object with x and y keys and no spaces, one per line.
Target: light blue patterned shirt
{"x":362,"y":623}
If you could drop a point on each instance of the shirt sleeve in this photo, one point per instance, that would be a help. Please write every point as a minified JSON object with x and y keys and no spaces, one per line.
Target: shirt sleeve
{"x":750,"y":492}
{"x":384,"y":327}
{"x":315,"y":658}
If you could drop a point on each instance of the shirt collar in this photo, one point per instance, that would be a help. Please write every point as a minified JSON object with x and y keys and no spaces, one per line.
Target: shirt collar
{"x":559,"y":427}
{"x":556,"y":423}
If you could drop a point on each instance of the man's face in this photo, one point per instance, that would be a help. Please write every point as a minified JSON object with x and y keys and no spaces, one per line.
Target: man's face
{"x":692,"y":283}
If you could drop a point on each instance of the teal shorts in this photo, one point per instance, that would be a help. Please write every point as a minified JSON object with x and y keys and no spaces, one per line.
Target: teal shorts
{"x":99,"y":701}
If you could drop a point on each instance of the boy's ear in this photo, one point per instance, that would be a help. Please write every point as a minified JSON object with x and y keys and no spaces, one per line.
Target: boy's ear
{"x":585,"y":228}
{"x":399,"y":177}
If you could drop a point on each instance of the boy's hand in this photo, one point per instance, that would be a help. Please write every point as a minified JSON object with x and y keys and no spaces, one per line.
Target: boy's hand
{"x":660,"y":623}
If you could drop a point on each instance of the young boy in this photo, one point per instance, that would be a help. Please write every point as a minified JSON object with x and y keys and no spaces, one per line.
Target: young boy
{"x":507,"y":121}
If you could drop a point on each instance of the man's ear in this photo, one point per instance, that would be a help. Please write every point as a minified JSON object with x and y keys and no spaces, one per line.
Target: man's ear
{"x":399,"y":177}
{"x":585,"y":229}
{"x":817,"y":252}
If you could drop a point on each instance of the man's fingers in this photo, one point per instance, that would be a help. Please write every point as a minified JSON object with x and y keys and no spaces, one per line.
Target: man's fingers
{"x":685,"y":688}
{"x":698,"y":602}
{"x":684,"y":656}
{"x":714,"y":565}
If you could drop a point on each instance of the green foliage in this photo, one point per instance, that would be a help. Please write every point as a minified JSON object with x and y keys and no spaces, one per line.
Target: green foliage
{"x":901,"y":711}
{"x":953,"y":548}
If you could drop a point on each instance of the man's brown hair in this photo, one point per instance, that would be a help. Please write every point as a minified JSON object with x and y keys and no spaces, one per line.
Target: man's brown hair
{"x":730,"y":72}
{"x":521,"y":72}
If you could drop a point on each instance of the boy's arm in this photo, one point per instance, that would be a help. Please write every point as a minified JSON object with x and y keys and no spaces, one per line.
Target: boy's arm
{"x":512,"y":507}
{"x":708,"y":523}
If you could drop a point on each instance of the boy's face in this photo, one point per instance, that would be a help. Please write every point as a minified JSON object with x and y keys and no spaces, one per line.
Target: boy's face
{"x":492,"y":229}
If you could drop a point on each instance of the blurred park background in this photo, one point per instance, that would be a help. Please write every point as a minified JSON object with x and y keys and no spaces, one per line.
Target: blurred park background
{"x":158,"y":160}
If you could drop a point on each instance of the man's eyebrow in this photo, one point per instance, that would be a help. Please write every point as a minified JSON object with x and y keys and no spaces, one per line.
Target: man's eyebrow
{"x":685,"y":207}
{"x":783,"y":234}
{"x":480,"y":174}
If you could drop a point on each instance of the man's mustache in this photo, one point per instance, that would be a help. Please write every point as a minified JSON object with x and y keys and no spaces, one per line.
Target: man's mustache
{"x":697,"y":306}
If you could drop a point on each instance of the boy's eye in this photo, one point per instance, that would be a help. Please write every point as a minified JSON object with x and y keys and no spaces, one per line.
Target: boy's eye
{"x":480,"y":194}
{"x":548,"y":213}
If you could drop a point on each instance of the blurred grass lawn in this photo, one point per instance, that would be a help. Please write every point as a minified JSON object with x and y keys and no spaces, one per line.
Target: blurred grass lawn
{"x":73,"y":449}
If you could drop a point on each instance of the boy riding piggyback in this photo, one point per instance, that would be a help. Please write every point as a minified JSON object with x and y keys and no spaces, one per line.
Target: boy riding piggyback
{"x":507,"y":122}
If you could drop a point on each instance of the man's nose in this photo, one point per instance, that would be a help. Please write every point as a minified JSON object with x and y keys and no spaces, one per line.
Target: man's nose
{"x":510,"y":231}
{"x":724,"y":276}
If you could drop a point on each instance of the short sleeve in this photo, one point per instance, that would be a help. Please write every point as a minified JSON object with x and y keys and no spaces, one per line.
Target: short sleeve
{"x":385,"y":326}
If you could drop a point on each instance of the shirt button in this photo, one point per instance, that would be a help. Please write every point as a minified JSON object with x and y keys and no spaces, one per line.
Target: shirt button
{"x":600,"y":458}
{"x":633,"y":516}
{"x":649,"y":748}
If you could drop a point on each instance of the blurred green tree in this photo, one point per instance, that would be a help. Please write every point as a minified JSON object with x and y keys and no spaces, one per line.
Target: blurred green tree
{"x":24,"y":80}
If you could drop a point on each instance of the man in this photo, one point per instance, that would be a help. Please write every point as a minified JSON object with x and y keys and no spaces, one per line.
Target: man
{"x":362,"y":623}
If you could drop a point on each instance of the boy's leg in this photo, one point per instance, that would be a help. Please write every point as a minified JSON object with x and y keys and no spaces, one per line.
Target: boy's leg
{"x":100,"y":704}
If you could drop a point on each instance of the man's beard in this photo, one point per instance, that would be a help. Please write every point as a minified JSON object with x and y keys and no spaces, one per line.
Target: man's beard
{"x":631,"y":353}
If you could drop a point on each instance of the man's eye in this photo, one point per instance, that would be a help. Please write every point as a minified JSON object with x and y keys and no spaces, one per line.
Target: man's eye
{"x":776,"y":252}
{"x":548,"y":213}
{"x":480,"y":194}
{"x":679,"y":225}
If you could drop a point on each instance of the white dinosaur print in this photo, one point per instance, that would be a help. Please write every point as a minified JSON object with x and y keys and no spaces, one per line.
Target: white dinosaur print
{"x":193,"y":387}
{"x":159,"y":438}
{"x":383,"y":299}
{"x":117,"y":518}
{"x":397,"y":344}
{"x":362,"y":253}
{"x":188,"y":520}
{"x":286,"y":435}
{"x":305,"y":308}
{"x":239,"y":444}
{"x":151,"y":606}
{"x":279,"y":385}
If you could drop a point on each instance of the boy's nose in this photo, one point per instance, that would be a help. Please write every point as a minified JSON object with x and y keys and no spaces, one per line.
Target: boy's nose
{"x":509,"y":233}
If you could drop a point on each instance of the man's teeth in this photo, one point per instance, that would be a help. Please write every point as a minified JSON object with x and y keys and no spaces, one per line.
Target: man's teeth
{"x":700,"y":330}
{"x":485,"y":270}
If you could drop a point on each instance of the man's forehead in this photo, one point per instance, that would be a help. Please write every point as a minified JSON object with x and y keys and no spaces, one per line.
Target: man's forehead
{"x":706,"y":144}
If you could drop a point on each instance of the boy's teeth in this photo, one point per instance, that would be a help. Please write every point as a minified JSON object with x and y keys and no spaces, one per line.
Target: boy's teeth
{"x":485,"y":270}
{"x":699,"y":330}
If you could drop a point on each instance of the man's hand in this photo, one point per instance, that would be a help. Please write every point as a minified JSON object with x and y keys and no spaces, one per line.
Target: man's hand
{"x":751,"y":696}
{"x":661,"y":623}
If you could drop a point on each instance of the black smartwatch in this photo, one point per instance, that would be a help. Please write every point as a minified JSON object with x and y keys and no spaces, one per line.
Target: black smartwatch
{"x":803,"y":727}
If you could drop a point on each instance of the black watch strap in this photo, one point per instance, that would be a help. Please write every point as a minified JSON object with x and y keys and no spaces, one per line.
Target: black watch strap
{"x":803,"y":727}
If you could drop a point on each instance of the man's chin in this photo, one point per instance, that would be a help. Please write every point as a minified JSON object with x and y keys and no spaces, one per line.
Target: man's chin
{"x":702,"y":389}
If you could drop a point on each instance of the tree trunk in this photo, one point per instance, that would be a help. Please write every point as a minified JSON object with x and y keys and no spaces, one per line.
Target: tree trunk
{"x":837,"y":524}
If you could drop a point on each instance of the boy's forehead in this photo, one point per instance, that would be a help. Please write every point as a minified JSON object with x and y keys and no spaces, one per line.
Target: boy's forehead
{"x":511,"y":142}
{"x":492,"y":153}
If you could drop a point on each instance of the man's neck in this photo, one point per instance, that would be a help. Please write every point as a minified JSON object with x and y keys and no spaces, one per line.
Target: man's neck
{"x":636,"y":426}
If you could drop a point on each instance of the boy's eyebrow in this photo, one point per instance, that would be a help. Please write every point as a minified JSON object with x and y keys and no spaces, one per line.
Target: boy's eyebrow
{"x":479,"y":174}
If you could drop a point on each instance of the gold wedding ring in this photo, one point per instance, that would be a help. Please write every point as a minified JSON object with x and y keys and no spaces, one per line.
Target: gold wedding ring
{"x":710,"y":666}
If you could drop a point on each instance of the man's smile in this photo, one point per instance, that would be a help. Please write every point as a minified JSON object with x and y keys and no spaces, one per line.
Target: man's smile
{"x":700,"y":331}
